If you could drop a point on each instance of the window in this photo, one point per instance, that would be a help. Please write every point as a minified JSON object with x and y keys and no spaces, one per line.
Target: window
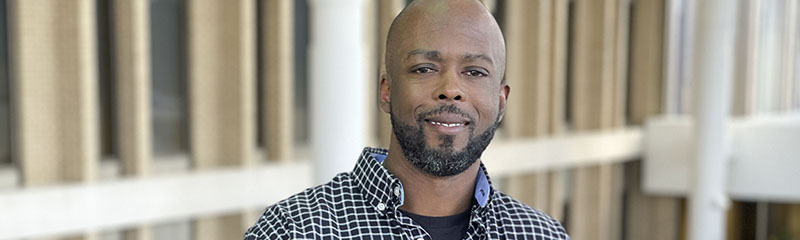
{"x":106,"y":83}
{"x":167,"y":23}
{"x":301,"y":70}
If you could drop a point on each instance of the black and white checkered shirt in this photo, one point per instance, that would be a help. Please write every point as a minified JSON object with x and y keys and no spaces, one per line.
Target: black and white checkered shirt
{"x":363,"y":204}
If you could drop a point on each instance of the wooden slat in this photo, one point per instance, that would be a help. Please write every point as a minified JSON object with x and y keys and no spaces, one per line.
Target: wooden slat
{"x":647,"y":41}
{"x":132,"y":72}
{"x":221,"y":75}
{"x":133,"y":92}
{"x":278,"y":77}
{"x":387,"y":11}
{"x":529,"y":25}
{"x":55,"y":86}
{"x":788,"y":74}
{"x":597,"y":192}
{"x":527,"y":30}
{"x":53,"y":47}
{"x":558,"y":177}
{"x":648,"y":217}
{"x":745,"y":86}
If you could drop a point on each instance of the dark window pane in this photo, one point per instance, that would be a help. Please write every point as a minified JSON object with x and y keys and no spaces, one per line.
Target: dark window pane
{"x":260,"y":58}
{"x":169,"y":84}
{"x":105,"y":76}
{"x":301,"y":68}
{"x":5,"y":129}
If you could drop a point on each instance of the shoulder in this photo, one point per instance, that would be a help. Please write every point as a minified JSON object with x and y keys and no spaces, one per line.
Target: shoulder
{"x":511,"y":213}
{"x":288,"y":217}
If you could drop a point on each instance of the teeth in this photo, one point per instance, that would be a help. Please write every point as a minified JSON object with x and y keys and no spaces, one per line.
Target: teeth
{"x":448,"y":124}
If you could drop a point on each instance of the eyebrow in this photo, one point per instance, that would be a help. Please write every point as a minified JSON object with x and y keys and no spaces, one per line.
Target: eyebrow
{"x":431,"y":54}
{"x":472,"y":57}
{"x":436,"y":55}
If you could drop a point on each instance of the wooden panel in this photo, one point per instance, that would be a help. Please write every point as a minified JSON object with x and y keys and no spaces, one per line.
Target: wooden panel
{"x":528,"y":30}
{"x":55,"y":88}
{"x":221,"y":82}
{"x":647,"y":48}
{"x":278,"y":77}
{"x":132,"y":72}
{"x":648,"y":217}
{"x":596,"y":210}
{"x":55,"y":91}
{"x":528,"y":71}
{"x":133,"y":92}
{"x":558,"y":177}
{"x":221,"y":75}
{"x":387,"y":11}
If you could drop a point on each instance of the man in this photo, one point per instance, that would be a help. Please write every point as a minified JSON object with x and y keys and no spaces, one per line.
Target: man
{"x":445,"y":93}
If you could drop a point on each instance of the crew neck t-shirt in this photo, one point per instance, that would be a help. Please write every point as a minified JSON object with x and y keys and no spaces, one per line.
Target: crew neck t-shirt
{"x":443,"y":228}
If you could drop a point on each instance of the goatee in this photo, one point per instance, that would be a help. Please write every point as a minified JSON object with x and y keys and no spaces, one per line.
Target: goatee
{"x":443,"y":160}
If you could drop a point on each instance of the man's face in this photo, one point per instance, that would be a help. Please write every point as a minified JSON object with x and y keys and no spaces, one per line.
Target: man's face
{"x":445,"y":95}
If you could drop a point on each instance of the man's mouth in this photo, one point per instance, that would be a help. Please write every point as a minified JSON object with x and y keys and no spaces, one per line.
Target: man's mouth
{"x":450,"y":124}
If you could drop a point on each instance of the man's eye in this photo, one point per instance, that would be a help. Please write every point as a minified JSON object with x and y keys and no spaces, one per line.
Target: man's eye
{"x":475,"y":73}
{"x":423,"y":70}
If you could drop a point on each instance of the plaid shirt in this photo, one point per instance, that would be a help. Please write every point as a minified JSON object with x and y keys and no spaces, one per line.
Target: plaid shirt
{"x":363,"y":204}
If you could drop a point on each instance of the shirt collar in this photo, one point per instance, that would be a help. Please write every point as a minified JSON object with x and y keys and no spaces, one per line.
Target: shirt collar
{"x":382,"y":187}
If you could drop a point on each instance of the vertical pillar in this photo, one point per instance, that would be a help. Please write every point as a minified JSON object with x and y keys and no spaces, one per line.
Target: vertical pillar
{"x":278,"y":77}
{"x":338,"y":81}
{"x":53,"y":48}
{"x":713,"y":74}
{"x":132,"y":72}
{"x":221,"y":79}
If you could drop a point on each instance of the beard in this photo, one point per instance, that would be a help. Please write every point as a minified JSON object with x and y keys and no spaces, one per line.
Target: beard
{"x":441,"y":161}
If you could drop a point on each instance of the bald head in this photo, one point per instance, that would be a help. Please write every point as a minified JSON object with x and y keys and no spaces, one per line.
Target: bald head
{"x":463,"y":22}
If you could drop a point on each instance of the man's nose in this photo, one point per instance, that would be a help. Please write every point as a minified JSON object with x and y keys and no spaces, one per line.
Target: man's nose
{"x":449,"y":89}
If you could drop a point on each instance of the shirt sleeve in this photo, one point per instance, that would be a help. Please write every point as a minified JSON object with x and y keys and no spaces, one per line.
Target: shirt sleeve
{"x":271,"y":225}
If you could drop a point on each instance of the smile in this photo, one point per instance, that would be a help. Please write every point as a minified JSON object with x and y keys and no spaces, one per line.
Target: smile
{"x":447,"y":124}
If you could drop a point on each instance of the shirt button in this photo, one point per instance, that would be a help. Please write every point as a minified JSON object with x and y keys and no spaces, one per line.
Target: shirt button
{"x":381,"y":206}
{"x":397,"y":191}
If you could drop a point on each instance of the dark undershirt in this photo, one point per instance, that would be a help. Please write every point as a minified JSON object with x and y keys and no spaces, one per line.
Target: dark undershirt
{"x":443,"y":228}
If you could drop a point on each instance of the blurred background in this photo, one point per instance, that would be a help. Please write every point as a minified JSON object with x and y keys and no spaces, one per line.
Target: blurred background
{"x":184,"y":119}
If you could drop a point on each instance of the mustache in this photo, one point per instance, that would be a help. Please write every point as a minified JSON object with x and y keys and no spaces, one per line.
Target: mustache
{"x":444,"y":108}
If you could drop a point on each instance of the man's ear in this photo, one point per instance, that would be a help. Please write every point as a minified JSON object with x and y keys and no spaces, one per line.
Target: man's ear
{"x":504,"y":91}
{"x":384,"y":95}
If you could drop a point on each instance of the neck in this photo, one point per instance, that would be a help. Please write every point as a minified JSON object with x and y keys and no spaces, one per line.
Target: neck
{"x":430,"y":195}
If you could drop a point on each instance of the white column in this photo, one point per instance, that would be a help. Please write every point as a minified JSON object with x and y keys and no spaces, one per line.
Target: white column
{"x":338,"y":81}
{"x":713,"y":75}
